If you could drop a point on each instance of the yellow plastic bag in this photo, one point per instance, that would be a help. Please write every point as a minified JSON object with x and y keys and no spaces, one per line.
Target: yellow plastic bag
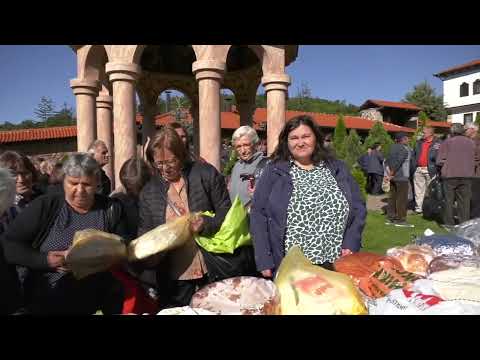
{"x":94,"y":251}
{"x":232,"y":234}
{"x":165,"y":237}
{"x":307,"y":289}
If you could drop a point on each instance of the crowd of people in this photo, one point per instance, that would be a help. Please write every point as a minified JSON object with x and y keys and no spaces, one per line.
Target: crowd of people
{"x":299,"y":195}
{"x":454,"y":161}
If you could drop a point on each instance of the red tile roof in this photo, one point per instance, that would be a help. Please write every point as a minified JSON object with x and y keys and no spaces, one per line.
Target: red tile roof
{"x":439,"y":124}
{"x":390,"y":104}
{"x":37,"y":134}
{"x":459,"y":68}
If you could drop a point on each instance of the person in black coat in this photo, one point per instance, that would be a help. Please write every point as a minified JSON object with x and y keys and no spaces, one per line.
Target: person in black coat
{"x":40,"y":236}
{"x":99,"y":152}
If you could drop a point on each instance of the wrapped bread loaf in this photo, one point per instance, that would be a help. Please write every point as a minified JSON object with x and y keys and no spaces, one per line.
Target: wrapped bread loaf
{"x":447,"y":262}
{"x":163,"y":238}
{"x":414,"y":258}
{"x":94,"y":251}
{"x":243,"y":295}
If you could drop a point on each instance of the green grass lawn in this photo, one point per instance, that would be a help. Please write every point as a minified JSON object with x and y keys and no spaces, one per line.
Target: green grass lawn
{"x":378,"y":237}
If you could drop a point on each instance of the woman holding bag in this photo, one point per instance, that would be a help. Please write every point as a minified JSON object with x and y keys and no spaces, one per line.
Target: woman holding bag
{"x":180,"y":186}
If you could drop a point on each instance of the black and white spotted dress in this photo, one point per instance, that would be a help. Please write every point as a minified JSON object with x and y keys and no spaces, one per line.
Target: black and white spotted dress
{"x":317,"y":214}
{"x":61,"y":234}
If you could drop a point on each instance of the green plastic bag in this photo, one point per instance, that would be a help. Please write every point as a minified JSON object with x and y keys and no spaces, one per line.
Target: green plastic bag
{"x":232,"y":234}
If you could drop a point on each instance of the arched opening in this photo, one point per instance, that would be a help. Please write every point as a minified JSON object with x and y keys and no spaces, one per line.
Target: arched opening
{"x":241,"y":57}
{"x":168,"y":59}
{"x":95,"y":63}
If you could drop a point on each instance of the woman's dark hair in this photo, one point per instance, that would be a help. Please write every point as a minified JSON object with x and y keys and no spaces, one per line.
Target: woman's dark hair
{"x":283,"y":153}
{"x":134,"y":174}
{"x":17,"y":162}
{"x":167,"y":138}
{"x":176,"y":125}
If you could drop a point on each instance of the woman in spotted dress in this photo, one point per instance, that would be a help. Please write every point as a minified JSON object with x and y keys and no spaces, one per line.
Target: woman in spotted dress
{"x":305,"y":197}
{"x":40,"y":236}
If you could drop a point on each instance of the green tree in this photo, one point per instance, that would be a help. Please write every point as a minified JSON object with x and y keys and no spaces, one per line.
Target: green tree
{"x":361,"y":180}
{"x":422,"y":122}
{"x":378,"y":134}
{"x":339,"y":137}
{"x":424,"y":96}
{"x":353,"y":148}
{"x":63,"y":117}
{"x":477,"y":119}
{"x":232,"y":159}
{"x":45,"y":109}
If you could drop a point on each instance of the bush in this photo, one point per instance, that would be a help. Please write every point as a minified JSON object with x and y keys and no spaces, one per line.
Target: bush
{"x":353,"y":148}
{"x":361,"y":180}
{"x":339,"y":137}
{"x":232,"y":159}
{"x":378,"y":134}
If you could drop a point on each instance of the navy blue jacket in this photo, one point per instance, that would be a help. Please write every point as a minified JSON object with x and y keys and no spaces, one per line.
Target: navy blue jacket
{"x":268,"y":216}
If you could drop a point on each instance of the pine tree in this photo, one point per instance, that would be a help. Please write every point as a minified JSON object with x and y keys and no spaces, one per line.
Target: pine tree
{"x":339,"y":137}
{"x":378,"y":134}
{"x":477,"y":119}
{"x":45,"y":109}
{"x":353,"y":148}
{"x":361,"y":180}
{"x":424,"y":96}
{"x":422,"y":122}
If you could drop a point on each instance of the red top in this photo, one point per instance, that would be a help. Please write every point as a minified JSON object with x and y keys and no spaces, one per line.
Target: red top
{"x":423,"y":159}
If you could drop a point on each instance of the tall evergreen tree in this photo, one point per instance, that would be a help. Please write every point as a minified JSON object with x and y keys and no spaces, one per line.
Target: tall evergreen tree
{"x":353,"y":148}
{"x":339,"y":136}
{"x":477,"y":119}
{"x":45,"y":109}
{"x":378,"y":134}
{"x":424,"y":96}
{"x":422,"y":122}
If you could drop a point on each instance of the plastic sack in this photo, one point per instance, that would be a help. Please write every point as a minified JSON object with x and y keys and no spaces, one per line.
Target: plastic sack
{"x":375,"y":275}
{"x":185,"y":310}
{"x":470,"y":230}
{"x":414,"y":258}
{"x":94,"y":251}
{"x":402,"y":302}
{"x":448,"y":244}
{"x":232,"y":234}
{"x":242,"y":295}
{"x":165,"y":237}
{"x":460,"y":283}
{"x":307,"y":289}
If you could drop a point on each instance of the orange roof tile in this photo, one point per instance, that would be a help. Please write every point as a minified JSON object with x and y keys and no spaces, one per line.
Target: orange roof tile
{"x":391,"y":104}
{"x":439,"y":124}
{"x":37,"y":134}
{"x":458,"y":68}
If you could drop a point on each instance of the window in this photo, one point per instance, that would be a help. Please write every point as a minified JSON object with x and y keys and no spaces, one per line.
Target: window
{"x":464,"y":89}
{"x":467,"y":118}
{"x":476,"y":87}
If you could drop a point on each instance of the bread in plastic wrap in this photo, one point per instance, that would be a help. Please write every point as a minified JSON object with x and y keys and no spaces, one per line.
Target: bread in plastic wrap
{"x":448,"y":244}
{"x":243,"y":295}
{"x":462,"y":283}
{"x":185,"y":310}
{"x":414,"y":258}
{"x":94,"y":251}
{"x":470,"y":230}
{"x":165,"y":237}
{"x":307,"y":289}
{"x":447,"y":262}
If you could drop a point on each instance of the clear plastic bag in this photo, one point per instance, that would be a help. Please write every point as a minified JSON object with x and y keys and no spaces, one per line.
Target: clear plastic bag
{"x":470,"y":230}
{"x":414,"y":258}
{"x":94,"y":251}
{"x":447,"y":262}
{"x":448,"y":244}
{"x":163,"y":238}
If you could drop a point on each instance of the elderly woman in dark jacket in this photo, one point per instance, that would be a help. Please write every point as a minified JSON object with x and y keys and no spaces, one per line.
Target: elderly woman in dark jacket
{"x":180,"y":187}
{"x":306,"y":198}
{"x":40,"y":236}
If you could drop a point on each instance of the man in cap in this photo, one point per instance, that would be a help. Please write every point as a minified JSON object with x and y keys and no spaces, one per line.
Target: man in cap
{"x":399,"y":163}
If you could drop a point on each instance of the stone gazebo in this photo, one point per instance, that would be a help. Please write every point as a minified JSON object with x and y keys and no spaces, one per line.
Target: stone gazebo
{"x":110,"y":76}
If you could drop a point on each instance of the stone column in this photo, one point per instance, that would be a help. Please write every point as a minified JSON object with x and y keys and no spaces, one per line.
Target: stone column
{"x":105,"y":130}
{"x":276,"y":87}
{"x":196,"y":127}
{"x":85,"y":92}
{"x":209,"y":74}
{"x":123,"y":77}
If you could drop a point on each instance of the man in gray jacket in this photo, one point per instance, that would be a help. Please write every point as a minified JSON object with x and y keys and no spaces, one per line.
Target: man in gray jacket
{"x":399,"y":163}
{"x":457,"y":157}
{"x":245,"y":140}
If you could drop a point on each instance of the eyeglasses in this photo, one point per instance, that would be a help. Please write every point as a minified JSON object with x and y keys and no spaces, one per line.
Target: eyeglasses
{"x":169,"y":163}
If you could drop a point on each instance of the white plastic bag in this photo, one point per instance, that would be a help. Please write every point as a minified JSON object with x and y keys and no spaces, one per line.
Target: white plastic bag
{"x":470,"y":230}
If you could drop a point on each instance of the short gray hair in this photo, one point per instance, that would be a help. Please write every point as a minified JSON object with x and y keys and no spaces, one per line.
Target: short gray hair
{"x":457,"y":129}
{"x":7,"y":189}
{"x":246,"y":131}
{"x":81,"y":164}
{"x":94,"y":145}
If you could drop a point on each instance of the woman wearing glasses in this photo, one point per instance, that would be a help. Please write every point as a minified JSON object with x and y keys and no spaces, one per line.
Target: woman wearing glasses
{"x":180,"y":186}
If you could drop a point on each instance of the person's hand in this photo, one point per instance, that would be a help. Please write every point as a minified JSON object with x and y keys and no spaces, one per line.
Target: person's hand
{"x":267,"y":273}
{"x":196,"y":224}
{"x":346,"y":252}
{"x":250,"y":189}
{"x":56,"y":260}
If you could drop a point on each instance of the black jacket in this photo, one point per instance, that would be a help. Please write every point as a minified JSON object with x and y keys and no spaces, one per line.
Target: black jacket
{"x":11,"y":298}
{"x":105,"y":185}
{"x":431,"y":157}
{"x":206,"y":191}
{"x":25,"y":235}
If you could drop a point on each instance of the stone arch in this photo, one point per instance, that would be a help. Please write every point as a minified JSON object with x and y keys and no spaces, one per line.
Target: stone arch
{"x":140,"y":49}
{"x":92,"y":60}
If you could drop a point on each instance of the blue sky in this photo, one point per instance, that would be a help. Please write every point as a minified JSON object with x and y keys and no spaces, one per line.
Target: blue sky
{"x":350,"y":73}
